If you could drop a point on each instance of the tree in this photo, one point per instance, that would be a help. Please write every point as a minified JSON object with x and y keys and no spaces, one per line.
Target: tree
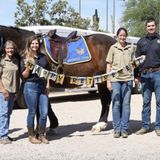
{"x":136,"y":14}
{"x":64,"y":15}
{"x":45,"y":12}
{"x":34,"y":14}
{"x":95,"y":26}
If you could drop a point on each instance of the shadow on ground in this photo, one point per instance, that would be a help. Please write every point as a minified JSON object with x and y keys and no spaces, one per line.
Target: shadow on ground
{"x":73,"y":130}
{"x":74,"y":98}
{"x":78,"y":129}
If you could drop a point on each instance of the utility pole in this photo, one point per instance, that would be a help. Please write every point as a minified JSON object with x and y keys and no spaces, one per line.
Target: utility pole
{"x":106,"y":15}
{"x":80,"y":8}
{"x":113,"y":29}
{"x":114,"y":15}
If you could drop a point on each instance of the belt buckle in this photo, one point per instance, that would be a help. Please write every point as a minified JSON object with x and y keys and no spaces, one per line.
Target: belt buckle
{"x":144,"y":71}
{"x":150,"y":69}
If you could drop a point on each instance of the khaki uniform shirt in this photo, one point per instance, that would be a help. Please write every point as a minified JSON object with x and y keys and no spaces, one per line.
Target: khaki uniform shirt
{"x":9,"y":74}
{"x":119,"y":57}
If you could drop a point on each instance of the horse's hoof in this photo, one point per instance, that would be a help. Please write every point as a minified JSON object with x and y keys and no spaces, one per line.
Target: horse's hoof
{"x":99,"y":127}
{"x":95,"y":130}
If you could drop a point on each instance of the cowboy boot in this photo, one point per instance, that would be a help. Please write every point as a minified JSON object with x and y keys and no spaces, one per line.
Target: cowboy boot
{"x":32,"y":137}
{"x":37,"y":131}
{"x":42,"y":135}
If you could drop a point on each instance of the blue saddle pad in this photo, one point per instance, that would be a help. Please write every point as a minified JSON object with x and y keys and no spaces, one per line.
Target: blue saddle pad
{"x":77,"y":51}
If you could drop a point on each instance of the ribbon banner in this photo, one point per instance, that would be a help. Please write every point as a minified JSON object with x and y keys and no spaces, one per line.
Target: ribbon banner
{"x":89,"y":81}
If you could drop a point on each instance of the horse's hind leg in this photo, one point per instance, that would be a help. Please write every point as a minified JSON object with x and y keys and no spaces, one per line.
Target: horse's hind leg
{"x":52,"y":117}
{"x":105,"y":97}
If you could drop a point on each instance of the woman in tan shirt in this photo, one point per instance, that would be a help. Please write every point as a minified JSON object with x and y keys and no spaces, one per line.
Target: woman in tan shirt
{"x":9,"y":84}
{"x":120,"y":55}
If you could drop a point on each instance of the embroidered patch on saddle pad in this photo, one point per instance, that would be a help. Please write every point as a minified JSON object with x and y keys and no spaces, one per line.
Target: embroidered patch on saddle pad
{"x":77,"y":51}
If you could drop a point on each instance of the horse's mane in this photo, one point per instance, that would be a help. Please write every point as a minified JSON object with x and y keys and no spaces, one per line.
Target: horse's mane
{"x":11,"y":27}
{"x":102,"y":38}
{"x":15,"y":29}
{"x":17,"y":35}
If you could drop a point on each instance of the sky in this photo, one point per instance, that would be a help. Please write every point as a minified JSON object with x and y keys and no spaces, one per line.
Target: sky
{"x":8,"y":8}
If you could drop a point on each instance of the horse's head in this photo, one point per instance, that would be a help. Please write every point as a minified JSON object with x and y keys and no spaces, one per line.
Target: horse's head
{"x":43,"y":49}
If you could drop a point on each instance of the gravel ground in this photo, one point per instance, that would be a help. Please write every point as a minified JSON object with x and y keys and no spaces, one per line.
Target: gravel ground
{"x":75,"y":141}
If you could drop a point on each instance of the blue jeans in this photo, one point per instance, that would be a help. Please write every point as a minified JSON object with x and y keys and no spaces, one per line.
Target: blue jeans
{"x":150,"y":81}
{"x":121,"y":97}
{"x":34,"y":96}
{"x":5,"y":112}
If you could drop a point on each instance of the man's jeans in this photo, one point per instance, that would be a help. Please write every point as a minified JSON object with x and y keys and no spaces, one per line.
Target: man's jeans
{"x":5,"y":112}
{"x":150,"y":81}
{"x":121,"y":97}
{"x":34,"y":96}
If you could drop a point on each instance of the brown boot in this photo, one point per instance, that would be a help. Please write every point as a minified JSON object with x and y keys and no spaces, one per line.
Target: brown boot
{"x":37,"y":131}
{"x":32,"y":137}
{"x":42,"y":136}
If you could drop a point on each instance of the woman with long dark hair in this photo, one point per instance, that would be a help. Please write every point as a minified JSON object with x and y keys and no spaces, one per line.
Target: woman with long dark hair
{"x":36,"y":91}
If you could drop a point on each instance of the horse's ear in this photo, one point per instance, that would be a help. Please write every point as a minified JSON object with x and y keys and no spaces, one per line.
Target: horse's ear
{"x":39,"y":35}
{"x":51,"y":33}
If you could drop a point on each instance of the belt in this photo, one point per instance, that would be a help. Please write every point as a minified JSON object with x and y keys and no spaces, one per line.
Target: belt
{"x":145,"y":70}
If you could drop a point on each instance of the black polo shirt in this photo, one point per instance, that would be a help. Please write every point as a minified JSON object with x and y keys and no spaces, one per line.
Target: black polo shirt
{"x":42,"y":61}
{"x":150,"y":47}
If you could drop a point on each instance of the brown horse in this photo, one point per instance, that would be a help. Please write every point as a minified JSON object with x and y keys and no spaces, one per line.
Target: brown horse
{"x":98,"y":46}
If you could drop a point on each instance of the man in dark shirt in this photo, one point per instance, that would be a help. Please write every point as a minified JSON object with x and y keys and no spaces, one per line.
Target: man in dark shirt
{"x":149,"y":46}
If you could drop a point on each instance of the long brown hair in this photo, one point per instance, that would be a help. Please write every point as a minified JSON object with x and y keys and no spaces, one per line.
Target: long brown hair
{"x":28,"y":52}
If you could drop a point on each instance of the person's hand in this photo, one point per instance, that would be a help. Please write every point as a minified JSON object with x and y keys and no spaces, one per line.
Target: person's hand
{"x":29,"y":63}
{"x":47,"y":90}
{"x":31,"y":60}
{"x":6,"y":95}
{"x":109,"y":86}
{"x":143,"y":58}
{"x":137,"y":81}
{"x":15,"y":97}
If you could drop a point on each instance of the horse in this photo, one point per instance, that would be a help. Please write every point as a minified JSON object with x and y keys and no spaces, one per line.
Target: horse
{"x":98,"y":46}
{"x":20,"y":38}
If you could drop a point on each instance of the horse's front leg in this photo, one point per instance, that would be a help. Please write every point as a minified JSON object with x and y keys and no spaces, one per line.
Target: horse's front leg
{"x":105,"y":97}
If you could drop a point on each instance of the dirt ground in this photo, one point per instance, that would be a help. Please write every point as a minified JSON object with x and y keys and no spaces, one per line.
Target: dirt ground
{"x":75,"y":141}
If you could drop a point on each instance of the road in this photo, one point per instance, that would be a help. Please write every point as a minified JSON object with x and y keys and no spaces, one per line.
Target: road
{"x":75,"y":141}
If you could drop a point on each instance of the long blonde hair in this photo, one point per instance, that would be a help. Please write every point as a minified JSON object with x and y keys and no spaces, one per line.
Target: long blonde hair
{"x":28,"y":52}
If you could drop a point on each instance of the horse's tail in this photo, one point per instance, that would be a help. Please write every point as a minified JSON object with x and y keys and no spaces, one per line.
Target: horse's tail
{"x":1,"y":45}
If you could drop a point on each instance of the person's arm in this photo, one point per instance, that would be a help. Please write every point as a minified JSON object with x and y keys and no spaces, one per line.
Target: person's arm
{"x":109,"y":68}
{"x":26,"y":73}
{"x":109,"y":60}
{"x":25,"y":69}
{"x":137,"y":69}
{"x":48,"y":86}
{"x":4,"y":91}
{"x":138,"y":50}
{"x":2,"y":88}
